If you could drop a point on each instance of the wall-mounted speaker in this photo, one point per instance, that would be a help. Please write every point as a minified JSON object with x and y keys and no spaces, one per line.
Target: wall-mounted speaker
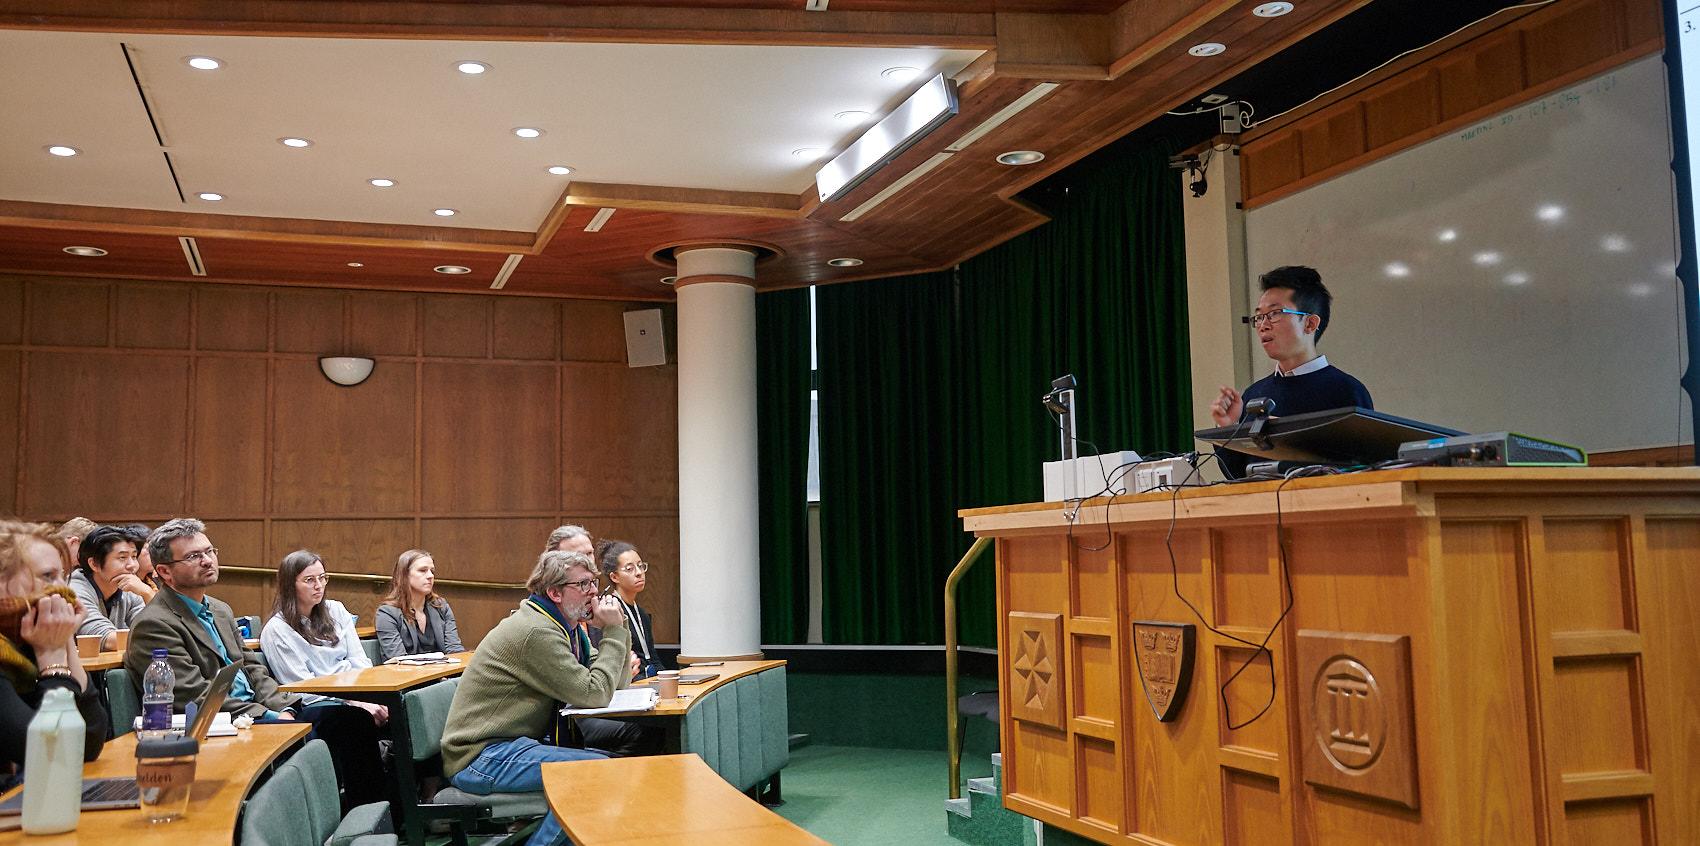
{"x":645,"y":344}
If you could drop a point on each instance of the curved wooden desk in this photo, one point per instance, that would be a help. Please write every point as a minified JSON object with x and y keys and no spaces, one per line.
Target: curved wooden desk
{"x":691,"y":694}
{"x":225,"y":772}
{"x":663,"y":800}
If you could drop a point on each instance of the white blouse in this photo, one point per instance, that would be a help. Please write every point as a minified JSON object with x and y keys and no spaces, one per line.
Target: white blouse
{"x":293,"y":659}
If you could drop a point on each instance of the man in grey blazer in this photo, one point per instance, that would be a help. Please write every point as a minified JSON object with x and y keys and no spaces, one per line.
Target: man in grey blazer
{"x":197,"y":631}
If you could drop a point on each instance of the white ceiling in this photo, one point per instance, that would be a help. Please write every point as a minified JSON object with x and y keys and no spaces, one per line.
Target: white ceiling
{"x":694,"y":116}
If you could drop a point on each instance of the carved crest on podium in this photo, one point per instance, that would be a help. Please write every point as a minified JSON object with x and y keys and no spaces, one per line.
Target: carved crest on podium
{"x":1164,"y":654}
{"x":1035,"y":668}
{"x":1360,"y":725}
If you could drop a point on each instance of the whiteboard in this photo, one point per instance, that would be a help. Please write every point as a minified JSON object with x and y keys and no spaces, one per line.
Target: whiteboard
{"x":1519,"y":273}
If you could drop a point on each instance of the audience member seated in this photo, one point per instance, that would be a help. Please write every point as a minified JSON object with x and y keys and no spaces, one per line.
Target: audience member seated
{"x":144,"y":563}
{"x":309,"y":636}
{"x":106,"y":584}
{"x":627,"y":571}
{"x":523,"y":670}
{"x":38,"y":649}
{"x":72,"y":532}
{"x":413,"y":618}
{"x":571,"y":539}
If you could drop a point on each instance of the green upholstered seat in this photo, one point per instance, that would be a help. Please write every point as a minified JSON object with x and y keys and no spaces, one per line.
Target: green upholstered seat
{"x":298,"y":806}
{"x":742,"y":729}
{"x":427,"y":715}
{"x":123,"y":700}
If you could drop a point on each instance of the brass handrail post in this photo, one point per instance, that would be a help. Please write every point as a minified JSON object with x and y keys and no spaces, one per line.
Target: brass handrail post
{"x":953,"y":744}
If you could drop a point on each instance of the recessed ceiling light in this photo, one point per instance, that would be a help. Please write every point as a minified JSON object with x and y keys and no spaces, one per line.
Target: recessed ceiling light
{"x":668,"y":280}
{"x":1208,"y":48}
{"x":807,"y":152}
{"x":901,"y":74}
{"x":1021,"y":157}
{"x":356,"y":264}
{"x":297,"y":143}
{"x":853,"y":115}
{"x":452,"y":269}
{"x":528,"y":132}
{"x":471,"y":68}
{"x":560,"y":170}
{"x":444,"y":212}
{"x":1272,"y":10}
{"x":844,"y":262}
{"x":210,"y":196}
{"x":63,"y":151}
{"x":202,"y":62}
{"x":85,"y":251}
{"x":381,"y":183}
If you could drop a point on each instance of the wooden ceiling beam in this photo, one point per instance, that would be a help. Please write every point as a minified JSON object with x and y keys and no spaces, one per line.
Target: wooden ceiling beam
{"x":413,"y":20}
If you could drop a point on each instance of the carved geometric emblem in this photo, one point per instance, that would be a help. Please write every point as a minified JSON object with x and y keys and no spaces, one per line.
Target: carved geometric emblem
{"x":1035,"y":668}
{"x":1359,"y":726}
{"x":1164,"y":654}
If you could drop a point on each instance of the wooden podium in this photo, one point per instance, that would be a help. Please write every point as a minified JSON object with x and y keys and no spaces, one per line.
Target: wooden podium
{"x":1471,"y":656}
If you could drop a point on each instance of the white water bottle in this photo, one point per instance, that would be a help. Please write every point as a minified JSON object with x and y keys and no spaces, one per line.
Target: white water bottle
{"x":53,"y":765}
{"x":158,"y":684}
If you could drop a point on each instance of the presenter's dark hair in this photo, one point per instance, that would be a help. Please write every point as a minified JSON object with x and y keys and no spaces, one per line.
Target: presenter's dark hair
{"x":98,"y":543}
{"x":1309,"y":294}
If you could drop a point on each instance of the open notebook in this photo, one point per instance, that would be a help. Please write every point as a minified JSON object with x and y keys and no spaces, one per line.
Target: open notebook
{"x":628,"y":699}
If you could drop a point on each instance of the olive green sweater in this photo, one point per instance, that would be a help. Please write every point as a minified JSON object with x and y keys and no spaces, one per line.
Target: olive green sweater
{"x":521,"y":670}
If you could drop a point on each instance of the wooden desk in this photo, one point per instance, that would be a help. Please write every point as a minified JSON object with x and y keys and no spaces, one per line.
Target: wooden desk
{"x":362,"y":632}
{"x":384,"y":684}
{"x":225,"y":772}
{"x":691,"y":694}
{"x":1471,"y":656}
{"x":663,"y":800}
{"x":104,"y":661}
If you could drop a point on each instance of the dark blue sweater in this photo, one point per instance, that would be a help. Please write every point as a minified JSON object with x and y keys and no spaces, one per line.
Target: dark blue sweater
{"x":1325,"y":389}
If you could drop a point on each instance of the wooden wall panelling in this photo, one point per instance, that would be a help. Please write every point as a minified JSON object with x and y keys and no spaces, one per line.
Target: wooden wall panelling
{"x":1668,"y":589}
{"x":382,"y":324}
{"x":69,"y":313}
{"x":232,"y":318}
{"x":593,"y":330}
{"x":1485,"y":71}
{"x":152,"y":316}
{"x":501,"y":550}
{"x":229,"y":449}
{"x":347,"y":545}
{"x":490,"y":440}
{"x":525,"y":328}
{"x":1331,"y":138}
{"x":242,"y":543}
{"x":1570,"y":36}
{"x":11,"y":310}
{"x":657,"y":540}
{"x":619,"y":438}
{"x":1402,"y":108}
{"x":1097,"y":680}
{"x":11,"y":426}
{"x":456,"y":326}
{"x":106,"y":433}
{"x":1043,"y":779}
{"x":1271,"y":163}
{"x":309,"y":322}
{"x":341,"y":450}
{"x":1252,"y":810}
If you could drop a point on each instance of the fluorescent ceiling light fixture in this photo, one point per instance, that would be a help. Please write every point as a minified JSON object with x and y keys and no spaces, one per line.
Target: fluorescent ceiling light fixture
{"x":63,"y":151}
{"x":528,"y":132}
{"x":1272,"y":10}
{"x":1208,"y":48}
{"x":210,"y":196}
{"x":297,"y":143}
{"x":901,"y":73}
{"x":508,"y":268}
{"x":560,"y":170}
{"x":345,"y":370}
{"x":598,"y":220}
{"x":1034,"y":95}
{"x":202,"y":62}
{"x":471,"y":68}
{"x":931,"y":105}
{"x":444,"y":212}
{"x":452,"y":269}
{"x":1021,"y":157}
{"x":85,"y":251}
{"x":381,"y":183}
{"x":844,"y":262}
{"x":192,"y":255}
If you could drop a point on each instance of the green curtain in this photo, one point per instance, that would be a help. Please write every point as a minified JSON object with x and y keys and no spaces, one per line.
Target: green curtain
{"x":930,"y":387}
{"x":782,"y":434}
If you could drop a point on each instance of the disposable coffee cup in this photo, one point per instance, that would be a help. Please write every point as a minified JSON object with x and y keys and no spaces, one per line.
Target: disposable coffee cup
{"x":88,"y":646}
{"x":668,"y":685}
{"x":123,"y":640}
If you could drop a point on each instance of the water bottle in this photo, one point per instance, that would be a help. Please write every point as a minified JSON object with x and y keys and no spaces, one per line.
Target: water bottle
{"x":53,"y":771}
{"x":157,"y":687}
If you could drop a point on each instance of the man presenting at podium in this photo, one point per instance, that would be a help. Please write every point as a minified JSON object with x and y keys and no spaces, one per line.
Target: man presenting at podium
{"x":1290,"y":318}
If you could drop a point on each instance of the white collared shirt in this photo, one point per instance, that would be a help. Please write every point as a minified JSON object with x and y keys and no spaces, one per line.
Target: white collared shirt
{"x":1311,"y":366}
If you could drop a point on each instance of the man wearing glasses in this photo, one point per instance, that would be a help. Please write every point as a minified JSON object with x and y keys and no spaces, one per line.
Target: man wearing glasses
{"x":197,"y":631}
{"x":1289,"y":321}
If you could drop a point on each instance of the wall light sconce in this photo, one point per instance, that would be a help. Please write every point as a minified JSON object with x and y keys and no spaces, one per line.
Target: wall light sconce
{"x":345,"y":370}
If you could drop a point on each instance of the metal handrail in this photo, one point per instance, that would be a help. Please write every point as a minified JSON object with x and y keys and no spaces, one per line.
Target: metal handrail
{"x":954,"y":742}
{"x":371,"y":577}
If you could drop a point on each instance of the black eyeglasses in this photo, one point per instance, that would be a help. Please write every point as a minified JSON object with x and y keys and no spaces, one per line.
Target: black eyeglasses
{"x":583,"y":585}
{"x":1264,"y":318}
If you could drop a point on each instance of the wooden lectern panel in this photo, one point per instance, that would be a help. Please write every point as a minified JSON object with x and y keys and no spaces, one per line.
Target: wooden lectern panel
{"x":1470,"y":656}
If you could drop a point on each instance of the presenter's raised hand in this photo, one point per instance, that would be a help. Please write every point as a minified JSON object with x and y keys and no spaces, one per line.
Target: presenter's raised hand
{"x":608,"y":613}
{"x":1227,"y":407}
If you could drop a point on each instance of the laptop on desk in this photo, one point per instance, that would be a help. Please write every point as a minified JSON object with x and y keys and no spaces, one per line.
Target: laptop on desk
{"x":113,"y":794}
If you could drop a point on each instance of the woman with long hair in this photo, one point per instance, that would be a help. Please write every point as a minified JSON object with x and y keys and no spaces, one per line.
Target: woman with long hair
{"x":412,"y":618}
{"x":309,"y":636}
{"x":627,"y":574}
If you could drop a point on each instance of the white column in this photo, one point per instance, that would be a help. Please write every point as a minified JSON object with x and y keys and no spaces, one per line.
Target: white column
{"x":719,"y":572}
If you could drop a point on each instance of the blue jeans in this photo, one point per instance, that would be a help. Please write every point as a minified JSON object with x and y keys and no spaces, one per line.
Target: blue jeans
{"x":515,"y":766}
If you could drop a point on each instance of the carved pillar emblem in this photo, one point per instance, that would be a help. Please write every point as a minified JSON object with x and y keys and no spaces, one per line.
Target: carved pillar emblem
{"x":1351,"y":714}
{"x":1164,"y":654}
{"x":1357,"y":716}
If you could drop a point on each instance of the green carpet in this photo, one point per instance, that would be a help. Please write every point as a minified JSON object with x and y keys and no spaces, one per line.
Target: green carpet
{"x":856,"y":796}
